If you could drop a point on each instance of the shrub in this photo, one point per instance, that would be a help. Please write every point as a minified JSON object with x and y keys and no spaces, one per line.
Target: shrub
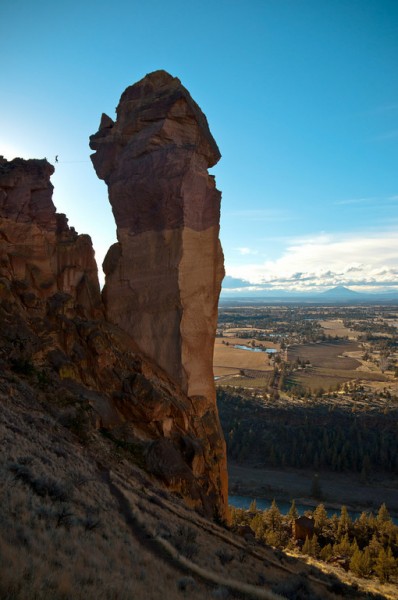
{"x":185,"y":541}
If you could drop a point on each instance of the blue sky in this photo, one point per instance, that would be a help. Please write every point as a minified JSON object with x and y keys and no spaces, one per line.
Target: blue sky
{"x":301,"y":97}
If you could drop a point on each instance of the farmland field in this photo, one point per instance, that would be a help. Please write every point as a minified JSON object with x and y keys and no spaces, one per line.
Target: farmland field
{"x":230,"y":361}
{"x":335,"y":327}
{"x":319,"y":349}
{"x":326,"y":402}
{"x":326,"y":354}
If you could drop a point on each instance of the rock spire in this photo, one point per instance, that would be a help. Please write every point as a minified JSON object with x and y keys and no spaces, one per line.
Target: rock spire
{"x":163,"y":276}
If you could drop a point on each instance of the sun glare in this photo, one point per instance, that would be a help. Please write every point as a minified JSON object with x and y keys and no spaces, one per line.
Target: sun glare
{"x":10,"y":152}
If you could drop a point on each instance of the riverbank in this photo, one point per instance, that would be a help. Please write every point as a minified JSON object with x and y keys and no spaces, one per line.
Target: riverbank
{"x":337,"y":488}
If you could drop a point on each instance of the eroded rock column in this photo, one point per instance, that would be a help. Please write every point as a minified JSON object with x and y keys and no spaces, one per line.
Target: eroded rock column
{"x":163,"y":276}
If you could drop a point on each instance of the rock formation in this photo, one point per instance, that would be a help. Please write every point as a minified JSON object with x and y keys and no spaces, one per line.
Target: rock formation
{"x":39,"y":252}
{"x":87,"y":372}
{"x":163,"y":277}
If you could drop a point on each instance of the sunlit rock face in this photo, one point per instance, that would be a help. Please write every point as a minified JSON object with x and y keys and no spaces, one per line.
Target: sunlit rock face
{"x":163,"y":277}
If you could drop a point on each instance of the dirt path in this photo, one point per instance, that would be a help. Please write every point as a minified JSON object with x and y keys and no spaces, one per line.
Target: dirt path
{"x":337,"y":488}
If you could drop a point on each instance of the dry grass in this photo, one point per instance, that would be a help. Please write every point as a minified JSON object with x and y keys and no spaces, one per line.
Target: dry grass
{"x":329,"y":355}
{"x":80,"y":522}
{"x":335,"y":327}
{"x":228,"y":360}
{"x":333,"y":364}
{"x":316,"y":378}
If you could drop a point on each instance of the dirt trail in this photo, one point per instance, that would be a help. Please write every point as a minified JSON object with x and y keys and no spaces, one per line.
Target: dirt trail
{"x":165,"y":551}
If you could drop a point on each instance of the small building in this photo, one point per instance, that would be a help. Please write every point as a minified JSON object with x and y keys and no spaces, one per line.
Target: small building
{"x":303,"y":528}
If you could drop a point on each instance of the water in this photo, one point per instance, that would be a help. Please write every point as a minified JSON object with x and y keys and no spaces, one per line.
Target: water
{"x":284,"y":507}
{"x":256,"y":349}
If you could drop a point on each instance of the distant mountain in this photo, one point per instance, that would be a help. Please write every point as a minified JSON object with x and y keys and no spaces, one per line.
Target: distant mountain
{"x":340,"y":292}
{"x":336,"y":295}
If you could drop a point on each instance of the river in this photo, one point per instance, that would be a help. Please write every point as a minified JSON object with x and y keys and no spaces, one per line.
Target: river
{"x":262,"y":504}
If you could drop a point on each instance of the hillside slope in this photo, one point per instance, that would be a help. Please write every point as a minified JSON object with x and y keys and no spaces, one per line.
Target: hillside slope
{"x":79,"y":518}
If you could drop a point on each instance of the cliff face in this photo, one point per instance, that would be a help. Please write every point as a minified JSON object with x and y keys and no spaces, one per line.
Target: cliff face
{"x":163,"y":277}
{"x":87,"y":372}
{"x":39,"y":253}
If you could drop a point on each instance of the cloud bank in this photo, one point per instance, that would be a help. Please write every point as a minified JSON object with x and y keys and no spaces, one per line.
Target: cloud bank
{"x":367,"y":262}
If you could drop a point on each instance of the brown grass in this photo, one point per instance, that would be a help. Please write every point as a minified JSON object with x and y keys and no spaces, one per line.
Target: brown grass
{"x":316,"y":378}
{"x":326,"y":354}
{"x":336,"y":327}
{"x":49,"y":549}
{"x":228,"y":359}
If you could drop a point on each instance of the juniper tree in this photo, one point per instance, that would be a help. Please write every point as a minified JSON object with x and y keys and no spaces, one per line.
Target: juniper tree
{"x":293,"y":512}
{"x":383,"y":516}
{"x":272,"y":517}
{"x":344,"y":522}
{"x":386,"y":565}
{"x":361,"y":563}
{"x":320,"y":518}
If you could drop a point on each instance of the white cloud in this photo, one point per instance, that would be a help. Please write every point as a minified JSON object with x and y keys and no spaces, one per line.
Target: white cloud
{"x":246,"y":251}
{"x":366,"y":261}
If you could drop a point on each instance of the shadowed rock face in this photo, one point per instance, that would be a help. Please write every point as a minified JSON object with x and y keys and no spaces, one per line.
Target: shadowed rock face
{"x":163,"y":277}
{"x":86,"y":371}
{"x":40,"y":254}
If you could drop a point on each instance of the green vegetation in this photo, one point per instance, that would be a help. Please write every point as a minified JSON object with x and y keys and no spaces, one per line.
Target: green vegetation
{"x":368,"y":546}
{"x":311,"y":435}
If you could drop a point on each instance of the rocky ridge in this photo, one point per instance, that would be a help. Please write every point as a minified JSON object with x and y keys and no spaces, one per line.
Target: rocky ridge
{"x":55,"y":328}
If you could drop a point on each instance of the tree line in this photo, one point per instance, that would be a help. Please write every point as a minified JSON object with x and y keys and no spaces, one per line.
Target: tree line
{"x":316,"y":437}
{"x":368,"y":545}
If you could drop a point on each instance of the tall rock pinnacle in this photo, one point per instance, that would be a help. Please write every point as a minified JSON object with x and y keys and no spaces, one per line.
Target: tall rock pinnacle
{"x":163,"y":276}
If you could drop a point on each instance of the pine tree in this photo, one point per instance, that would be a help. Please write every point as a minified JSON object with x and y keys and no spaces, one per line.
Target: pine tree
{"x":355,"y":562}
{"x":274,"y":538}
{"x":320,"y":518}
{"x":272,"y":517}
{"x":307,"y":546}
{"x":344,"y":523}
{"x":386,"y":565}
{"x":315,"y":547}
{"x":326,"y":552}
{"x":361,"y":563}
{"x":383,"y":516}
{"x":257,"y":524}
{"x":362,"y":529}
{"x":334,"y":525}
{"x":293,"y":512}
{"x":343,"y":547}
{"x":253,"y":506}
{"x":374,"y":546}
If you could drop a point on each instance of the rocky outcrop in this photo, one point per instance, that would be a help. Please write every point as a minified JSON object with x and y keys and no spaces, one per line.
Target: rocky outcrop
{"x":39,"y":253}
{"x":87,"y":372}
{"x":163,"y":277}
